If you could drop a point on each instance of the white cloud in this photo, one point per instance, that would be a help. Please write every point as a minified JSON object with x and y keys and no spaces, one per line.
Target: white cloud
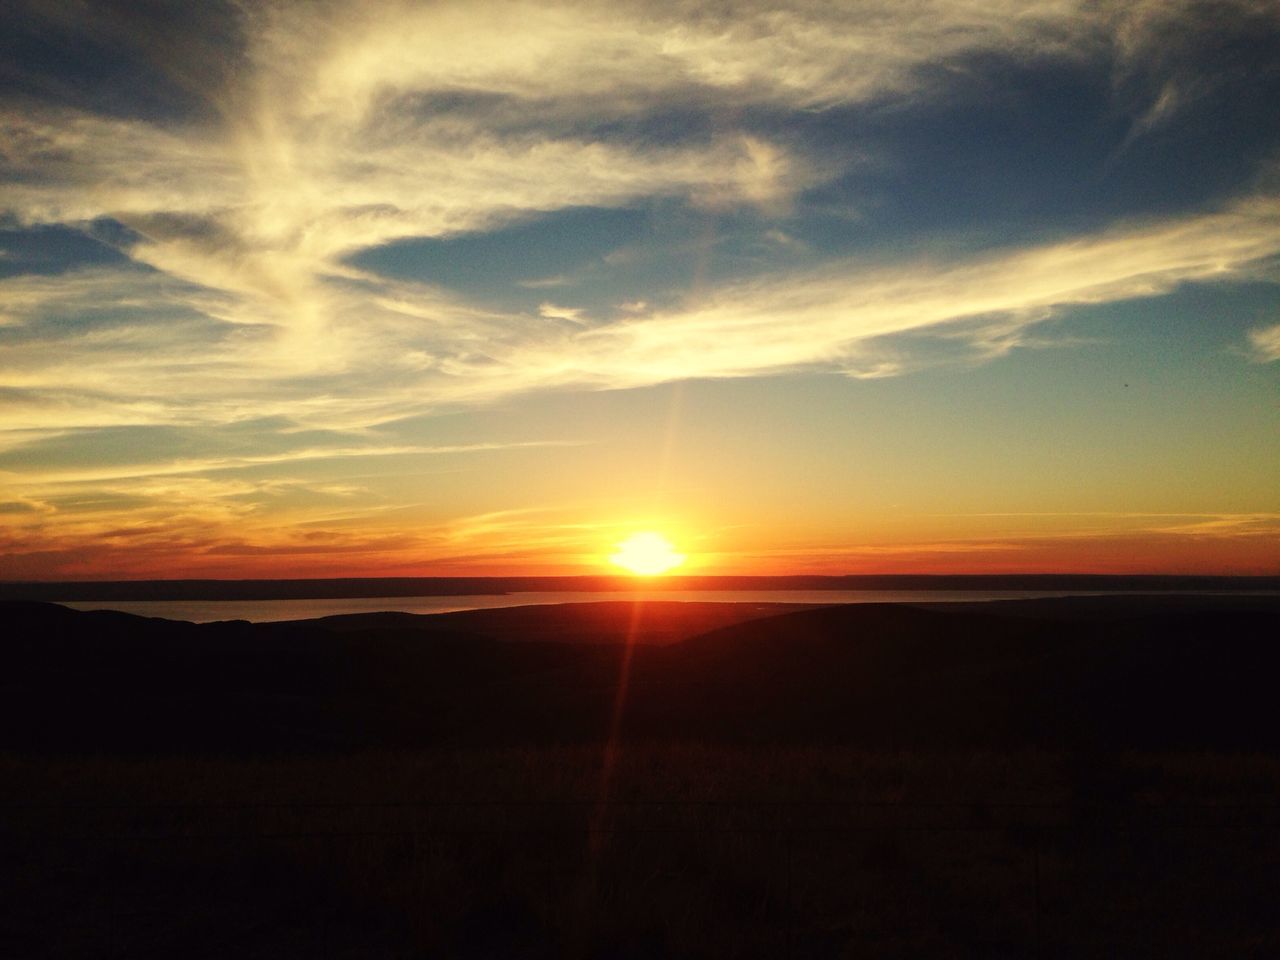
{"x":541,"y":283}
{"x":830,"y":318}
{"x":553,"y":312}
{"x":353,"y":125}
{"x":1266,"y":343}
{"x":402,"y":348}
{"x":357,"y":124}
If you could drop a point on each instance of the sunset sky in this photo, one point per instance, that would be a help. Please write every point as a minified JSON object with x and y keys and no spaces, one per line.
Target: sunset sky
{"x":377,"y":288}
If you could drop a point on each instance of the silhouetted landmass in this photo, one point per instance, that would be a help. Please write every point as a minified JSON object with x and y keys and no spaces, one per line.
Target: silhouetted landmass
{"x":467,"y":586}
{"x":1120,"y":671}
{"x":1053,"y":778}
{"x":648,"y":623}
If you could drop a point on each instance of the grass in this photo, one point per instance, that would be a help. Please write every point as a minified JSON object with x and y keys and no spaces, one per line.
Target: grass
{"x":703,"y":850}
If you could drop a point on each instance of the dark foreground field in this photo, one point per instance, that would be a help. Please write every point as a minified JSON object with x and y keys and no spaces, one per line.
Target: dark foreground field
{"x":1041,"y":778}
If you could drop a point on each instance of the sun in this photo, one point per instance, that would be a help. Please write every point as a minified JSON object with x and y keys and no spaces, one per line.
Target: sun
{"x":647,"y":554}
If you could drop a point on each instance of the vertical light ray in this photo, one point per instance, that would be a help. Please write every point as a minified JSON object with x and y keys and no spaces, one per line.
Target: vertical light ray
{"x":613,"y":740}
{"x":598,"y":826}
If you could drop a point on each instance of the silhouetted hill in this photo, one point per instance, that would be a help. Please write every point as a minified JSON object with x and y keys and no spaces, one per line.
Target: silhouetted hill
{"x":1185,"y":672}
{"x":595,"y":622}
{"x":1120,"y":673}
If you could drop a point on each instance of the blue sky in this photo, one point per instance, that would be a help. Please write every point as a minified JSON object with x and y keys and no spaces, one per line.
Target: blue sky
{"x":389,"y":287}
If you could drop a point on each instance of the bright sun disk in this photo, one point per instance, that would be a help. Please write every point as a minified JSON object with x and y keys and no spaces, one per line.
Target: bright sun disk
{"x":647,"y":554}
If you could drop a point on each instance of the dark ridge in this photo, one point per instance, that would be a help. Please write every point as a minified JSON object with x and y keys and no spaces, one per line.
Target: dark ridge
{"x":594,"y":622}
{"x":458,"y":586}
{"x":1080,"y":608}
{"x":1125,"y":673}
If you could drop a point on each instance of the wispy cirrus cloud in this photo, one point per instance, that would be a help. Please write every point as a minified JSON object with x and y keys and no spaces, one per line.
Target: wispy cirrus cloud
{"x":185,"y":467}
{"x":351,"y":126}
{"x":1266,"y":343}
{"x":1226,"y":525}
{"x":838,"y":318}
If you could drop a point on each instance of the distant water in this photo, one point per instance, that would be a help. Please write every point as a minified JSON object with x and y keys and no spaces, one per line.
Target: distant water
{"x":263,"y":611}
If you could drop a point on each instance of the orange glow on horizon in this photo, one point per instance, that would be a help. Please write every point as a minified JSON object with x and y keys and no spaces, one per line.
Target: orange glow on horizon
{"x":586,"y":541}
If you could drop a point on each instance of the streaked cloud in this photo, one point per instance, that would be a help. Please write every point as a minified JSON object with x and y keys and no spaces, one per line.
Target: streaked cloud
{"x":323,"y":146}
{"x":185,"y":467}
{"x":1227,"y":525}
{"x":841,"y":317}
{"x":1266,"y":343}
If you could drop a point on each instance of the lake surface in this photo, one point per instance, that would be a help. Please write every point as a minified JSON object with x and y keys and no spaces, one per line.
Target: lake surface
{"x":263,"y":611}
